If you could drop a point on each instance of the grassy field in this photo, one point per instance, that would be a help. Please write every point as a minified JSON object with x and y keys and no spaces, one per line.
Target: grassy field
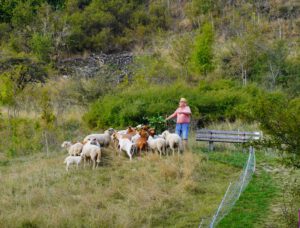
{"x":269,"y":200}
{"x":36,"y":191}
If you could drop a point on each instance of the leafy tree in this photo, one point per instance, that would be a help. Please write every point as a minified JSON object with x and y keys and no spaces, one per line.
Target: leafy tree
{"x":279,"y":118}
{"x":203,"y":50}
{"x":15,"y":79}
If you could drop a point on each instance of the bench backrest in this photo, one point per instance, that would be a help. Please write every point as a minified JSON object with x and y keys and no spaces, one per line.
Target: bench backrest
{"x":227,"y":136}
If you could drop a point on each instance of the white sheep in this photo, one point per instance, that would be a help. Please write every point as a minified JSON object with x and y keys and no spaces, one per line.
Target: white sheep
{"x":72,"y":160}
{"x":73,"y":149}
{"x":158,"y":144}
{"x":92,"y":150}
{"x":103,"y":139}
{"x":126,"y":145}
{"x":135,"y":137}
{"x":173,"y":141}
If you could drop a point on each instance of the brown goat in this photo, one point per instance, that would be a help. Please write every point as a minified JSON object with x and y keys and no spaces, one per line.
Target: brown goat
{"x":141,"y":143}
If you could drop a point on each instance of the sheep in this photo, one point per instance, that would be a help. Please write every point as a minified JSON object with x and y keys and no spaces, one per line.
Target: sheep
{"x":72,"y":160}
{"x":128,"y":133}
{"x":73,"y":149}
{"x":103,"y":139}
{"x":158,"y":144}
{"x":126,"y":145}
{"x":135,"y":138}
{"x":92,"y":150}
{"x":172,"y":140}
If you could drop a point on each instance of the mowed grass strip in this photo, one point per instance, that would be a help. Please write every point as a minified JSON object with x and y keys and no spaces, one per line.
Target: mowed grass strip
{"x":252,"y":206}
{"x":152,"y":192}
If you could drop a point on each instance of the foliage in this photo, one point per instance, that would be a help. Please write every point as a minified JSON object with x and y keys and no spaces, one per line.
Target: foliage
{"x":157,"y":122}
{"x":211,"y":101}
{"x":291,"y":199}
{"x":16,"y":77}
{"x":41,"y":45}
{"x":181,"y":52}
{"x":20,"y":137}
{"x":153,"y":69}
{"x":279,"y":117}
{"x":40,"y":26}
{"x":203,"y":50}
{"x":47,"y":114}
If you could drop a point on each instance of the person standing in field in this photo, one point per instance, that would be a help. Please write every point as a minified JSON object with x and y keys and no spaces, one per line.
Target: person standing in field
{"x":183,"y":114}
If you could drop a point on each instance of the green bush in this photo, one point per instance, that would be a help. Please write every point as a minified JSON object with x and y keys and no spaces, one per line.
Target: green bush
{"x":157,"y":122}
{"x":279,"y":118}
{"x":19,"y":137}
{"x":41,"y":45}
{"x":212,"y":101}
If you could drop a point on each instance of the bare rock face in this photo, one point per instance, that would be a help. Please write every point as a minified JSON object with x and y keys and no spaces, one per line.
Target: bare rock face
{"x":113,"y":67}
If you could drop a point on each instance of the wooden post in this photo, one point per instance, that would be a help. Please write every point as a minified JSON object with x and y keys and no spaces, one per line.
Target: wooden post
{"x":46,"y":143}
{"x":211,"y":145}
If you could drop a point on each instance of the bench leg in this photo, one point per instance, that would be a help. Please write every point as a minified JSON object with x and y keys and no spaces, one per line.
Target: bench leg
{"x":210,"y":146}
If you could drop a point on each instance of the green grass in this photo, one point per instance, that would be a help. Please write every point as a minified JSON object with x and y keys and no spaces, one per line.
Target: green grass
{"x":36,"y":191}
{"x":252,"y":207}
{"x":236,"y":159}
{"x":253,"y":204}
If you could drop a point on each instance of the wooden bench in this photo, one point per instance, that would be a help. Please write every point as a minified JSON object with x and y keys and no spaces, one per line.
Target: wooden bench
{"x":212,"y":136}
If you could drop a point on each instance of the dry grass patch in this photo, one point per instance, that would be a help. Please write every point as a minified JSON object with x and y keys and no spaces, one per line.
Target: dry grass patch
{"x":150,"y":192}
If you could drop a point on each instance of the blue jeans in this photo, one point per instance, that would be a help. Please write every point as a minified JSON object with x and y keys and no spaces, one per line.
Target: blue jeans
{"x":182,"y":129}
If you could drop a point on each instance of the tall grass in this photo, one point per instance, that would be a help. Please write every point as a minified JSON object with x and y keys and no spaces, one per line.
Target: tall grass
{"x":176,"y":191}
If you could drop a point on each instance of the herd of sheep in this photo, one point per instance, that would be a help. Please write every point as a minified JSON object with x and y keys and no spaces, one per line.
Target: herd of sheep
{"x":132,"y":141}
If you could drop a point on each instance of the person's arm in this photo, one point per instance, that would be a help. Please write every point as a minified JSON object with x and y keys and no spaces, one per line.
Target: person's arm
{"x":172,"y":116}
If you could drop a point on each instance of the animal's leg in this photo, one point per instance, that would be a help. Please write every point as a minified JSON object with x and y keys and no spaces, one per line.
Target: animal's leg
{"x":67,"y":167}
{"x":129,"y":154}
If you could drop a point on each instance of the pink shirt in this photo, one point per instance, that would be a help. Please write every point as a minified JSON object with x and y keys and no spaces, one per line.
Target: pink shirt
{"x":183,"y":114}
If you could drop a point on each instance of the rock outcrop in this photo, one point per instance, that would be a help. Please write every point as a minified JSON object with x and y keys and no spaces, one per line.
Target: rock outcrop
{"x":114,"y":67}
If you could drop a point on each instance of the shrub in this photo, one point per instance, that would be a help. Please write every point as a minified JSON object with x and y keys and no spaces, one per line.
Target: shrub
{"x":134,"y":105}
{"x":279,"y":118}
{"x":158,"y":122}
{"x":41,"y":45}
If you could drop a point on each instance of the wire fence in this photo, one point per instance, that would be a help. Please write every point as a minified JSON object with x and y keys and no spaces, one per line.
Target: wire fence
{"x":233,"y":193}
